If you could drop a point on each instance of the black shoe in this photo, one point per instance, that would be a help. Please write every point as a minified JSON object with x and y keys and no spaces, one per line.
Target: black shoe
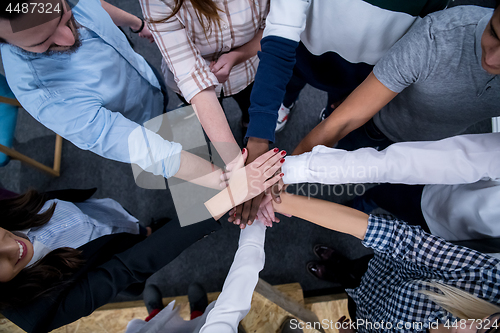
{"x":290,"y":325}
{"x":320,"y":271}
{"x":152,"y":298}
{"x":158,"y":223}
{"x":323,"y":252}
{"x":197,"y":297}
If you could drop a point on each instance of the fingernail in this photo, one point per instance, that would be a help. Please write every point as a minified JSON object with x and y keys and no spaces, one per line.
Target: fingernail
{"x":275,"y":150}
{"x":244,"y":150}
{"x":282,"y":174}
{"x":283,"y":153}
{"x":282,"y":160}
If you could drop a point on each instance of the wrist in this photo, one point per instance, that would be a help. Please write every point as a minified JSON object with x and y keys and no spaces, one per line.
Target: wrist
{"x":282,"y":207}
{"x":138,"y":25}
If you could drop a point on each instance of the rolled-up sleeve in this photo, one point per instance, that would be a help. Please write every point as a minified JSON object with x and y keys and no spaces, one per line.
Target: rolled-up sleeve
{"x":82,"y":120}
{"x":410,"y":243}
{"x":191,"y":71}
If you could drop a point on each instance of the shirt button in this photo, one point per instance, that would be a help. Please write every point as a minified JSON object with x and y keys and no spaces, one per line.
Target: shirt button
{"x":224,"y":26}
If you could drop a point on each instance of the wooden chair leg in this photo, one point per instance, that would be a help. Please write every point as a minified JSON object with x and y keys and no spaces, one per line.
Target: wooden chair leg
{"x":286,"y":303}
{"x":23,"y":158}
{"x":57,"y":154}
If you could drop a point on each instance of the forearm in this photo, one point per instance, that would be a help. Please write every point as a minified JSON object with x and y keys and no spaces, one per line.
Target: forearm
{"x":324,"y":213}
{"x":248,"y":50}
{"x":214,"y":122}
{"x":277,"y":60}
{"x":235,"y":300}
{"x":199,"y":171}
{"x":120,"y":17}
{"x":359,"y":107}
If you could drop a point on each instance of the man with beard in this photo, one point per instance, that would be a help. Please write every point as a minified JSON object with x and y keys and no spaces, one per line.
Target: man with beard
{"x":74,"y":71}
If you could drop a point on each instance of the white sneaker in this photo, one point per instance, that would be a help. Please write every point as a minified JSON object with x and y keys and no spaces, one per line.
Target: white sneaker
{"x":283,"y":114}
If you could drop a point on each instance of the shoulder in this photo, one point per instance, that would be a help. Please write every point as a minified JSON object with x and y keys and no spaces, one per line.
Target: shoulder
{"x":456,"y":18}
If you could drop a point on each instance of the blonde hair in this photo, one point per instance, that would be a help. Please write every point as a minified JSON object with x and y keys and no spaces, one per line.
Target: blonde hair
{"x":459,"y":303}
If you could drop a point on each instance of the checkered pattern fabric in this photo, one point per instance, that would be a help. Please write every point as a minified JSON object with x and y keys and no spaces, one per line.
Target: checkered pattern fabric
{"x":406,"y":257}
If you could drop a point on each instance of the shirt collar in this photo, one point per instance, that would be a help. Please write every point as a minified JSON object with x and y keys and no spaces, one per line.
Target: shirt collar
{"x":481,"y":26}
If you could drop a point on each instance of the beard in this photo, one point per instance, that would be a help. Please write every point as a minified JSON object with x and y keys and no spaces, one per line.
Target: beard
{"x":73,"y":25}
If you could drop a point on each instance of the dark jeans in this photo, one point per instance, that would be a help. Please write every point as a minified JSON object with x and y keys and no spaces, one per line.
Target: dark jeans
{"x":403,"y":201}
{"x":327,"y":72}
{"x":348,"y":273}
{"x":242,"y":98}
{"x":367,"y":135}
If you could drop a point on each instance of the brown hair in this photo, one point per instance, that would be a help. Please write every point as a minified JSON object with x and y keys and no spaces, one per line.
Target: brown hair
{"x":207,"y":13}
{"x":52,"y":271}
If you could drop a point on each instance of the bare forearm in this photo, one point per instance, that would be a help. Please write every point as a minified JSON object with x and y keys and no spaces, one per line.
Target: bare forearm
{"x":361,"y":105}
{"x":214,"y":122}
{"x":120,"y":17}
{"x":324,"y":213}
{"x":248,"y":50}
{"x":198,"y":171}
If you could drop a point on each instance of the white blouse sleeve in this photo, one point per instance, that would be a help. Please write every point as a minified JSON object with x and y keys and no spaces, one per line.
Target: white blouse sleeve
{"x":456,"y":160}
{"x":235,"y":300}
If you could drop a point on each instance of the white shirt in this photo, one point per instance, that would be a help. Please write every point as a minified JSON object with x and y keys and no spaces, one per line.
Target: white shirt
{"x":233,"y":303}
{"x":355,"y":29}
{"x":462,"y":203}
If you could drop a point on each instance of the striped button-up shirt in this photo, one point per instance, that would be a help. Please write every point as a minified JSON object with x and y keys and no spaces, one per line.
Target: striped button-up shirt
{"x":188,"y":51}
{"x":75,"y":224}
{"x":405,"y":258}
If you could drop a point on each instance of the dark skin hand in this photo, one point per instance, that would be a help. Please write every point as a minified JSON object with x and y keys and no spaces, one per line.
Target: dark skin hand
{"x":246,"y":212}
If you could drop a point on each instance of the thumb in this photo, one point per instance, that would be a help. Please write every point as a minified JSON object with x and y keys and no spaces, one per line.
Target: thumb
{"x":217,"y":66}
{"x":244,"y":154}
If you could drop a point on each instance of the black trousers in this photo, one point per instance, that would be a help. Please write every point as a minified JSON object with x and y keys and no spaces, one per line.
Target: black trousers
{"x":403,"y":201}
{"x":327,"y":72}
{"x":348,"y":273}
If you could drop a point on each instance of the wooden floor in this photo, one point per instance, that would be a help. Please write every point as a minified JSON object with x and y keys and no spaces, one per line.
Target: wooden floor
{"x":264,"y":317}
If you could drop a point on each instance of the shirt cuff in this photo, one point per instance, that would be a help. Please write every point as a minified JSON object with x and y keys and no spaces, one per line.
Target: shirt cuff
{"x":296,"y":169}
{"x":379,"y":233}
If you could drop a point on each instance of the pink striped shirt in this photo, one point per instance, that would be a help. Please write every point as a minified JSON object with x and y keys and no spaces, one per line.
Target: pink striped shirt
{"x":187,"y":51}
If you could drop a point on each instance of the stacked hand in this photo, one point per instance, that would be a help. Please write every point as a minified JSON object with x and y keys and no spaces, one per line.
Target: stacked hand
{"x":264,"y":209}
{"x":245,"y":183}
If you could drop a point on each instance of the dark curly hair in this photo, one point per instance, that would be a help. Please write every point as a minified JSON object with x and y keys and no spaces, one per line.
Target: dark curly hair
{"x":48,"y":274}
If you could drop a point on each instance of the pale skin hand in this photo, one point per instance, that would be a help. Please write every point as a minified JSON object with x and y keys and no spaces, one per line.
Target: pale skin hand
{"x":359,"y":107}
{"x":245,"y":183}
{"x":123,"y":19}
{"x":222,"y":67}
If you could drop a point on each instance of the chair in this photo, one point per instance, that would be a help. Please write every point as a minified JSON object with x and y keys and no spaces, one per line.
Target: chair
{"x":8,"y":118}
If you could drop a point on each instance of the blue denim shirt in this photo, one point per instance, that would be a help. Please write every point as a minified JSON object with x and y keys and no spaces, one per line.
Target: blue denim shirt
{"x":96,"y":97}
